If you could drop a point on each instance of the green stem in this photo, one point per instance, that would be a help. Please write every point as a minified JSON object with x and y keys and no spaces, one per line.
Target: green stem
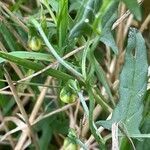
{"x":101,"y":102}
{"x":84,"y":56}
{"x":52,"y":50}
{"x":109,"y":136}
{"x":99,"y":70}
{"x":92,"y":125}
{"x":50,"y":11}
{"x":98,"y":19}
{"x":82,"y":100}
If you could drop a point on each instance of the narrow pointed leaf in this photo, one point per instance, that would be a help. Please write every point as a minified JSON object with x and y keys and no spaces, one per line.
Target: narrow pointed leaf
{"x":35,"y":66}
{"x":107,"y":21}
{"x":8,"y":37}
{"x":62,"y":22}
{"x":86,"y":18}
{"x":134,"y":7}
{"x":30,"y":55}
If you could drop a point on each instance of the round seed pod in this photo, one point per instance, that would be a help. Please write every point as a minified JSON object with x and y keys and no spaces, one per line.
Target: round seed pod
{"x":35,"y":43}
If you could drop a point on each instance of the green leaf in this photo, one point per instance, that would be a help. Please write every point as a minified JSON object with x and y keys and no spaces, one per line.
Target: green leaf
{"x":144,"y":144}
{"x":52,"y":50}
{"x":62,"y":22}
{"x":95,"y":18}
{"x":16,"y":5}
{"x":70,"y":143}
{"x":107,"y":21}
{"x":35,"y":66}
{"x":85,"y":18}
{"x":30,"y":55}
{"x":134,"y":7}
{"x":92,"y":125}
{"x":99,"y":71}
{"x":102,"y":78}
{"x":133,"y":83}
{"x":81,"y":28}
{"x":53,"y":4}
{"x":47,"y":132}
{"x":8,"y":37}
{"x":75,"y":5}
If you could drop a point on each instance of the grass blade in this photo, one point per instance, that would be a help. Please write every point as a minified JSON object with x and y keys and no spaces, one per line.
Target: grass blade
{"x":30,"y":55}
{"x":35,"y":66}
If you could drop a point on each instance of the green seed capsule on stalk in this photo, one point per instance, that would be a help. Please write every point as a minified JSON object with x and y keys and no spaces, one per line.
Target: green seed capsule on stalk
{"x":35,"y":43}
{"x":68,"y":145}
{"x":68,"y":93}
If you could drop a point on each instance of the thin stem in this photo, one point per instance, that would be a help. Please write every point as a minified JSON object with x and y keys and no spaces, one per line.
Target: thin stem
{"x":21,"y":108}
{"x":27,"y":94}
{"x":84,"y":56}
{"x":32,"y":83}
{"x":127,"y":136}
{"x":45,"y":3}
{"x":145,"y":23}
{"x":53,"y":112}
{"x":123,"y":17}
{"x":99,"y":70}
{"x":52,"y":50}
{"x":101,"y":102}
{"x":92,"y":126}
{"x":82,"y":100}
{"x":109,"y":136}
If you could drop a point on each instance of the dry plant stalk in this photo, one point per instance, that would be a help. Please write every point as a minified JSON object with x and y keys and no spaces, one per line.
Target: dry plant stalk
{"x":22,"y":110}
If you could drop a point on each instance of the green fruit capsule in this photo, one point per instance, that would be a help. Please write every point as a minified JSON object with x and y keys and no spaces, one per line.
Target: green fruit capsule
{"x":35,"y":43}
{"x":67,"y":95}
{"x":68,"y":145}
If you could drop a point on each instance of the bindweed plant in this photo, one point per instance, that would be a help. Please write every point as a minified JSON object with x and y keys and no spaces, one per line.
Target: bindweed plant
{"x":74,"y":74}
